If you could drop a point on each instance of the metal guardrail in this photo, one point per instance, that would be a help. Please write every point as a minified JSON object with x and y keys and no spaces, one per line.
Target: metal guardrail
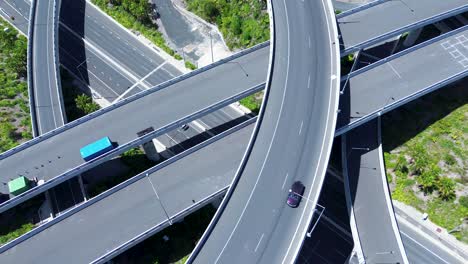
{"x":32,"y":105}
{"x":401,"y":102}
{"x":404,"y":52}
{"x":128,"y":100}
{"x":124,"y":184}
{"x":407,"y":28}
{"x":122,"y":148}
{"x":361,"y":8}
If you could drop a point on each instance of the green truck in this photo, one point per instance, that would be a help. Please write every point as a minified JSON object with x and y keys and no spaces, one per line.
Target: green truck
{"x":19,"y":185}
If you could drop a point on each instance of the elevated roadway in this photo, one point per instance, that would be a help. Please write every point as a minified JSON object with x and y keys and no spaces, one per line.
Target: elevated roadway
{"x":292,"y":142}
{"x":138,"y":207}
{"x":383,"y":86}
{"x":368,"y":195}
{"x":57,"y":152}
{"x":45,"y":91}
{"x":379,"y":20}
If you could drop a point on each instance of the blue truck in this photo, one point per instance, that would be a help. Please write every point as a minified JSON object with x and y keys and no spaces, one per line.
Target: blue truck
{"x":96,"y":148}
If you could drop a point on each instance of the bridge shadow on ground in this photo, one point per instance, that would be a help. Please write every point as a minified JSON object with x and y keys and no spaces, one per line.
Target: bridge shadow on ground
{"x":404,"y":123}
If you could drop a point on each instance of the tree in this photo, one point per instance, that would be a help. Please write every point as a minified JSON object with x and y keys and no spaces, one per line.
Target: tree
{"x":85,"y":104}
{"x":427,"y":180}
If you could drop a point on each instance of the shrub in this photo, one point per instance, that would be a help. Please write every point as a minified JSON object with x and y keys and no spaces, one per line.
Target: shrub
{"x":429,"y":178}
{"x":446,"y":188}
{"x":464,"y":201}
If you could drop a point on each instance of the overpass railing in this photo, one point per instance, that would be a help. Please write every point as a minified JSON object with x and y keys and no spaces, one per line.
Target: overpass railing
{"x":407,"y":28}
{"x":128,"y":100}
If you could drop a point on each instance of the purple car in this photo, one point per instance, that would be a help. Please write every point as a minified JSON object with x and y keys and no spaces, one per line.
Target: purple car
{"x":295,"y":194}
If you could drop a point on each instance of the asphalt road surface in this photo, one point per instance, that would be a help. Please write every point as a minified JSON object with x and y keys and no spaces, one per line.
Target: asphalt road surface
{"x":359,"y":30}
{"x":369,"y":195}
{"x":59,"y":153}
{"x":48,"y":100}
{"x":293,"y":143}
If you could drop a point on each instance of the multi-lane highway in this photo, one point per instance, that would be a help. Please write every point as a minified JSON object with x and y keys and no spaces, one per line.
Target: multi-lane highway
{"x":373,"y":23}
{"x":140,"y":207}
{"x":47,"y":109}
{"x":402,"y":77}
{"x":293,"y":142}
{"x":56,"y":153}
{"x":368,"y":195}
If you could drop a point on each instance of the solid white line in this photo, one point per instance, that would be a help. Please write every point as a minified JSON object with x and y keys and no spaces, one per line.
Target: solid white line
{"x":21,"y":14}
{"x":324,"y":138}
{"x":308,"y":82}
{"x":48,"y":63}
{"x":265,"y":160}
{"x":103,"y":55}
{"x":284,"y":182}
{"x":309,"y":42}
{"x":139,"y":82}
{"x":395,"y":71}
{"x":259,"y":241}
{"x":300,"y":129}
{"x":421,"y":245}
{"x":388,"y":200}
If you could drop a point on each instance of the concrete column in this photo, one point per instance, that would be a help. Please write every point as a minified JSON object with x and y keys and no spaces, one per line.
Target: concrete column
{"x":442,"y":27}
{"x":412,"y":37}
{"x":149,"y":147}
{"x":150,"y":151}
{"x":80,"y":181}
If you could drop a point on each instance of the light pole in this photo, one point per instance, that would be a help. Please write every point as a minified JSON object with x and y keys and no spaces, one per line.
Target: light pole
{"x":240,"y":65}
{"x":211,"y":47}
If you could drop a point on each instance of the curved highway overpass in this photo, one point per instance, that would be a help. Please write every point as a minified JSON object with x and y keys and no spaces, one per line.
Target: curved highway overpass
{"x":368,"y":195}
{"x":292,"y":142}
{"x":45,"y":92}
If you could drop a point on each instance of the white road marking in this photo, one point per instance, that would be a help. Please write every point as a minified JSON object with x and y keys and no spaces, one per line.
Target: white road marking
{"x":309,"y":42}
{"x":259,"y":241}
{"x":112,"y":63}
{"x":308,"y":82}
{"x":300,"y":129}
{"x":284,"y":182}
{"x":139,"y":82}
{"x":393,"y":69}
{"x":421,"y":245}
{"x":331,"y":38}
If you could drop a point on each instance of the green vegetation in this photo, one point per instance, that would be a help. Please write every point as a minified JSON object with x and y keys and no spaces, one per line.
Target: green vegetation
{"x":253,"y":102}
{"x":426,"y":155}
{"x":182,"y":239}
{"x":243,"y":23}
{"x":190,"y":65}
{"x":135,"y":159}
{"x":15,"y":121}
{"x":77,"y":103}
{"x":136,"y":15}
{"x":19,"y":220}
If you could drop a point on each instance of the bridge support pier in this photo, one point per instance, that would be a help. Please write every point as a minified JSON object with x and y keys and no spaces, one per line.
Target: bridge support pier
{"x":151,"y":152}
{"x":412,"y":37}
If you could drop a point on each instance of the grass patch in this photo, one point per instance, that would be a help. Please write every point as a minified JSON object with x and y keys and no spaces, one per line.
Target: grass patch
{"x":15,"y":120}
{"x":243,"y":23}
{"x":426,"y":151}
{"x":182,"y":239}
{"x":253,"y":102}
{"x":19,"y":220}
